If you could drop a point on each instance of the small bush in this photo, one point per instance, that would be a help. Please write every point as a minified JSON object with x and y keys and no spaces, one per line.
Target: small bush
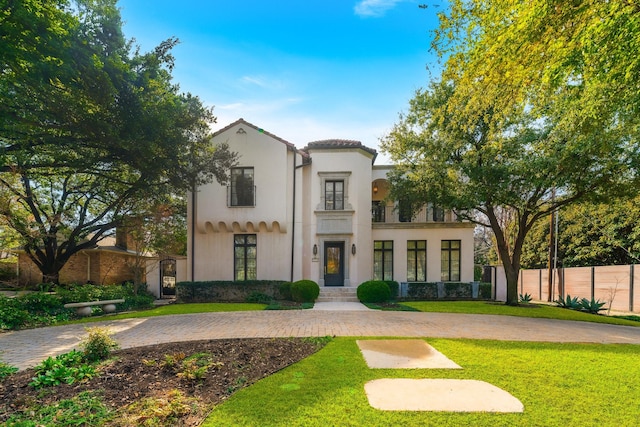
{"x":66,"y":368}
{"x":285,"y":291}
{"x":568,"y":302}
{"x":394,"y":287}
{"x":305,"y":291}
{"x":373,"y":291}
{"x":593,"y":306}
{"x":6,"y":370}
{"x":260,"y":298}
{"x":98,"y":344}
{"x":12,"y":314}
{"x":525,"y":299}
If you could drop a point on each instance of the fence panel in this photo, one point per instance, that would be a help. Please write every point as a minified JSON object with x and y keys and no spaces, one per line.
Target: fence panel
{"x":612,"y":286}
{"x":577,"y":282}
{"x":530,"y":280}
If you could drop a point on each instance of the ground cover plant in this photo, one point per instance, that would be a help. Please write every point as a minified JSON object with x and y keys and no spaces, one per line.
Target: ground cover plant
{"x":159,"y":385}
{"x":548,"y":378}
{"x":524,"y":310}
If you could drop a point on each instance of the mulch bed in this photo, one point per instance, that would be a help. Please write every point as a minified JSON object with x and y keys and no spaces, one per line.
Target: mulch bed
{"x":137,"y":373}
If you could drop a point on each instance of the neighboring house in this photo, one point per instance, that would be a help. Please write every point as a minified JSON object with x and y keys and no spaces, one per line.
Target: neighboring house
{"x":316,"y":213}
{"x":111,"y":261}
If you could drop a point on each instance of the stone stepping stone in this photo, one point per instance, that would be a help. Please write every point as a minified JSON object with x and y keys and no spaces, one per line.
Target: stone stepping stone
{"x":403,"y":354}
{"x":400,"y":394}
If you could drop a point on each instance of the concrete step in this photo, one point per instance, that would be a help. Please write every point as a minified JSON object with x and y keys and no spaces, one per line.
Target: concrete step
{"x":337,"y":294}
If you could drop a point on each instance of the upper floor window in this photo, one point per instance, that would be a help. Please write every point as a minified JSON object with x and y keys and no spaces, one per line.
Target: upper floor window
{"x":438,"y":214}
{"x":242,"y":188}
{"x":334,"y":195}
{"x":377,"y":211}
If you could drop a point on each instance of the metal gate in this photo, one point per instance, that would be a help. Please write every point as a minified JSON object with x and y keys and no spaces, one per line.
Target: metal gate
{"x":168,"y":277}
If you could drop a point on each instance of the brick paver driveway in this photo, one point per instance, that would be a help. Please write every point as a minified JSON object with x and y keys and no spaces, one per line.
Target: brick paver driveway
{"x":29,"y":347}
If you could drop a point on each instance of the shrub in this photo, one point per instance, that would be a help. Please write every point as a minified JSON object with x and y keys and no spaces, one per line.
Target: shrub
{"x":526,"y":298}
{"x":484,"y":290}
{"x":285,"y":291}
{"x":593,"y":306}
{"x":374,"y":291}
{"x":568,"y":302}
{"x":6,"y":370}
{"x":258,"y":297}
{"x":98,"y":344}
{"x":394,"y":287}
{"x":40,"y":302}
{"x":66,"y":368}
{"x":12,"y":314}
{"x":305,"y":291}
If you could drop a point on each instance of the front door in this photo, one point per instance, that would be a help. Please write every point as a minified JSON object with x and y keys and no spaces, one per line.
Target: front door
{"x":334,"y":264}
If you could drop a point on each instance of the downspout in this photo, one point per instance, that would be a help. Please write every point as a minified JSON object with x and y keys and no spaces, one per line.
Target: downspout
{"x":293,"y":220}
{"x":193,"y":234}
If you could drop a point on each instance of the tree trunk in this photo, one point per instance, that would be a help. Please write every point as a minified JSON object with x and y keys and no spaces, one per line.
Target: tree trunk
{"x":511,"y":274}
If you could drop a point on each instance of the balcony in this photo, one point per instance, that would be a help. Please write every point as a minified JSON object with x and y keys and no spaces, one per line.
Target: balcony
{"x":381,"y":214}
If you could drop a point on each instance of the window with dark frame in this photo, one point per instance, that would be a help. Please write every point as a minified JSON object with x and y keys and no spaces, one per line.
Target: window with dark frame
{"x":438,"y":214}
{"x":416,"y":260}
{"x":450,"y":260}
{"x":242,"y":187}
{"x":377,"y":211}
{"x":383,"y":260}
{"x":334,"y":195}
{"x":245,"y":257}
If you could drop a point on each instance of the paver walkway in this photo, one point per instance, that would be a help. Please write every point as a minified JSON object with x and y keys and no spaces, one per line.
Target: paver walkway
{"x":29,"y":347}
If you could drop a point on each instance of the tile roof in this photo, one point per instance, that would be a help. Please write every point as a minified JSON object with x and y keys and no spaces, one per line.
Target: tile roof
{"x":340,"y":144}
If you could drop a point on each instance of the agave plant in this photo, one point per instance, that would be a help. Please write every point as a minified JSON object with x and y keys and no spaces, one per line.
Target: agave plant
{"x":568,"y":302}
{"x":526,"y":298}
{"x":593,"y":306}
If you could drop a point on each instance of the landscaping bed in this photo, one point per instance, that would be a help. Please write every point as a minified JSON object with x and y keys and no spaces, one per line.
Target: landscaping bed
{"x":132,"y":377}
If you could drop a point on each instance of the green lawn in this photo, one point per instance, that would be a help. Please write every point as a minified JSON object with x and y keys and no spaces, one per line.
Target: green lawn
{"x":559,"y":385}
{"x":533,"y":310}
{"x":170,"y":309}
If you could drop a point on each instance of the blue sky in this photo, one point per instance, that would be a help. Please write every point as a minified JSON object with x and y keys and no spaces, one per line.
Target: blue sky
{"x":304,"y":70}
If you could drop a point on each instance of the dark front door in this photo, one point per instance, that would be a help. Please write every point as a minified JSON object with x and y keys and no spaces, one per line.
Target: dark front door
{"x":334,"y":264}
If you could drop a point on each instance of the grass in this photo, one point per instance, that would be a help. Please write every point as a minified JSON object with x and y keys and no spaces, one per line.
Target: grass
{"x":531,"y":310}
{"x":559,"y":385}
{"x":171,"y":309}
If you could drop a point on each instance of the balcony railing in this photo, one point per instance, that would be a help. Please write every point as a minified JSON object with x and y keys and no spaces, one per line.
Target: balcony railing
{"x":393,"y":215}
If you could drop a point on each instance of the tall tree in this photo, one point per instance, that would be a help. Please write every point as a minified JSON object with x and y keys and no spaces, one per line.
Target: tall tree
{"x":89,"y":126}
{"x":589,"y":234}
{"x":535,"y":98}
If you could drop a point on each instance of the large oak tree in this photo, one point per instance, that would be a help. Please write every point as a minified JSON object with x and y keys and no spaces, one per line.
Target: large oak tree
{"x":89,"y":126}
{"x":537,"y":107}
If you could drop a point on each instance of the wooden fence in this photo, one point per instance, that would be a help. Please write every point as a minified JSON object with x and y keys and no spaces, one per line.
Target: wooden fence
{"x":617,"y":285}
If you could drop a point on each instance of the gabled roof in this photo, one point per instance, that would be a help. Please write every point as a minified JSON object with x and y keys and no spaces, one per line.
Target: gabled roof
{"x":340,"y":144}
{"x":242,"y":121}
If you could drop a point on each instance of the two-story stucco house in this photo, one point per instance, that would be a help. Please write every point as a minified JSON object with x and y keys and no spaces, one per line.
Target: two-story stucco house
{"x":316,"y":213}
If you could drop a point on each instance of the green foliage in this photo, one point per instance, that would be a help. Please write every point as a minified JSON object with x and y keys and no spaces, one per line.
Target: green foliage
{"x":285,"y":291}
{"x":568,"y":302}
{"x":98,"y":344}
{"x":373,"y":291}
{"x":85,"y":409}
{"x":6,"y":370}
{"x":394,"y":288}
{"x":305,"y":291}
{"x":591,"y":306}
{"x":484,"y":290}
{"x":225,"y":290}
{"x":12,"y":314}
{"x":82,"y":110}
{"x":257,"y":297}
{"x":589,"y":234}
{"x":526,"y":298}
{"x":66,"y":368}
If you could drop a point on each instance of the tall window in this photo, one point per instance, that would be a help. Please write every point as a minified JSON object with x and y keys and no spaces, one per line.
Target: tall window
{"x":377,"y":211}
{"x":383,"y":260}
{"x":244,"y":257}
{"x":334,"y":195}
{"x":416,"y":260}
{"x":450,"y":261}
{"x":438,"y":214}
{"x":404,"y":211}
{"x":242,"y":188}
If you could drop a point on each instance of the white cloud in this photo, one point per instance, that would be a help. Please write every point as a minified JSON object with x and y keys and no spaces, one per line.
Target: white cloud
{"x":374,"y":8}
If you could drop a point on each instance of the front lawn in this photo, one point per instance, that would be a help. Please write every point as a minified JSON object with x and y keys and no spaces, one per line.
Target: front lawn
{"x":559,"y":385}
{"x":523,"y":310}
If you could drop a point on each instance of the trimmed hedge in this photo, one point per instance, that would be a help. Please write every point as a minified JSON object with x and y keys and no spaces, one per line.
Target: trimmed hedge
{"x":374,"y":291}
{"x":394,"y":287}
{"x":226,"y":291}
{"x":304,"y":291}
{"x":447,"y":290}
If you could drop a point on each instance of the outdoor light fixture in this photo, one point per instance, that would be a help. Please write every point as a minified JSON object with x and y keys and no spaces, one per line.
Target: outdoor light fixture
{"x":315,"y":249}
{"x":353,"y":249}
{"x":375,"y":188}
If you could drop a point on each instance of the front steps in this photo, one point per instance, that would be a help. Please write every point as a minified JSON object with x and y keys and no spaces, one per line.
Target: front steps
{"x":337,"y":294}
